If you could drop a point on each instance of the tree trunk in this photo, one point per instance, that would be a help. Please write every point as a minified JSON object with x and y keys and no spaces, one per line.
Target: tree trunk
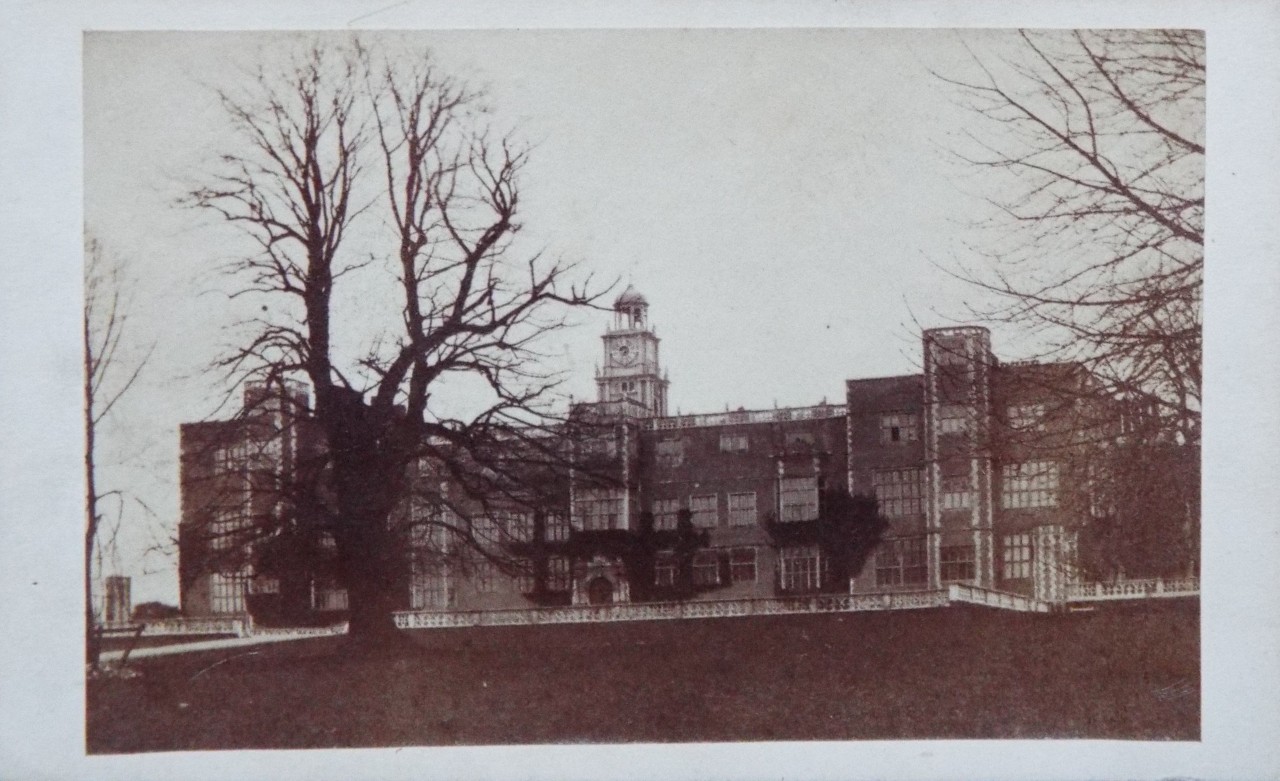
{"x":91,"y":639}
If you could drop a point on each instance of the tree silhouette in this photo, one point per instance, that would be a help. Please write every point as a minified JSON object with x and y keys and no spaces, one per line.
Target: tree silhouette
{"x":345,"y":135}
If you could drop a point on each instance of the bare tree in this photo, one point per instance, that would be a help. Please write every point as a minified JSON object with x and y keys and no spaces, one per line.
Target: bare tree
{"x":1092,"y":146}
{"x":459,"y":299}
{"x":108,"y":376}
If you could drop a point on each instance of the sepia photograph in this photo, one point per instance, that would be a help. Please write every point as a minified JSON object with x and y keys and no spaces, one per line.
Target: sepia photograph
{"x":822,"y":392}
{"x":660,"y":386}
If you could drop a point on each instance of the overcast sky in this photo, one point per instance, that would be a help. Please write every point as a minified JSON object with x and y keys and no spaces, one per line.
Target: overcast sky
{"x":781,"y":197}
{"x":692,"y":219}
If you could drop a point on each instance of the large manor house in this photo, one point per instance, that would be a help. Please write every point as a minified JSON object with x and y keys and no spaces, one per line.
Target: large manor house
{"x":971,"y":462}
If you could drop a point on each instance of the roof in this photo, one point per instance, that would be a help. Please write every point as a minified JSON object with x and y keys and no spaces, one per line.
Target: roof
{"x":630,"y":296}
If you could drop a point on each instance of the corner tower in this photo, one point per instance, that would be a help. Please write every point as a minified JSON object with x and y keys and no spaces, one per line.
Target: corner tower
{"x":630,"y":372}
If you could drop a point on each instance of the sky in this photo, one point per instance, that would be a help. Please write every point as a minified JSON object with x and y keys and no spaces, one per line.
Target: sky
{"x":658,"y":200}
{"x":784,"y":199}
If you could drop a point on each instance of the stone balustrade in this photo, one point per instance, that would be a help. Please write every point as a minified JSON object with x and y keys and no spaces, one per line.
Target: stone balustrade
{"x":240,"y":626}
{"x":1133,"y":589}
{"x":721,"y":608}
{"x":818,"y":412}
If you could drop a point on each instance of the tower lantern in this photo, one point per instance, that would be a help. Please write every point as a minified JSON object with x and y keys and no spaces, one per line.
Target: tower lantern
{"x":631,"y":374}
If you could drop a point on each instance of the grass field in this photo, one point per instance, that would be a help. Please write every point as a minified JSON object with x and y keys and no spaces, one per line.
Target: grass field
{"x":959,"y":672}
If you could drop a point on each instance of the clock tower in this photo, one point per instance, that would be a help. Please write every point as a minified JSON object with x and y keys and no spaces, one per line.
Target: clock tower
{"x":630,"y":371}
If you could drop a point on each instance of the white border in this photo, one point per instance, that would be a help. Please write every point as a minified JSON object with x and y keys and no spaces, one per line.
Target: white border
{"x":41,"y":692}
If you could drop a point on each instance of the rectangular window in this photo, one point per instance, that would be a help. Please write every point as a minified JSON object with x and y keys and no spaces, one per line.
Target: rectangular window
{"x":957,"y":494}
{"x":706,"y":511}
{"x":801,"y":441}
{"x":331,"y":599}
{"x":742,"y":565}
{"x":669,"y":452}
{"x":598,"y":446}
{"x":516,"y":525}
{"x":899,"y":492}
{"x":742,"y":509}
{"x":706,"y":568}
{"x":902,"y":562}
{"x":224,"y":528}
{"x":957,"y":563}
{"x":485,"y":577}
{"x":1029,"y":484}
{"x":557,"y":527}
{"x":733,"y":443}
{"x":522,"y":577}
{"x":949,"y":351}
{"x":1015,"y":557}
{"x":799,"y":568}
{"x":429,"y":588}
{"x":798,"y":498}
{"x":598,"y":509}
{"x":1025,"y":416}
{"x":953,"y":418}
{"x":484,"y":527}
{"x":899,"y":427}
{"x":558,"y":575}
{"x":666,"y":513}
{"x":664,"y":569}
{"x":227,"y":592}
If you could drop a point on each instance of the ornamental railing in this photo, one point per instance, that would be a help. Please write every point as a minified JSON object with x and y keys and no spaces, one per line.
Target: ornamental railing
{"x":818,"y":412}
{"x":652,"y":611}
{"x":1133,"y":589}
{"x":240,"y":626}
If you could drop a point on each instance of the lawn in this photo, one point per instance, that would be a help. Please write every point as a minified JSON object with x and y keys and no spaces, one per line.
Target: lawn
{"x":958,"y":672}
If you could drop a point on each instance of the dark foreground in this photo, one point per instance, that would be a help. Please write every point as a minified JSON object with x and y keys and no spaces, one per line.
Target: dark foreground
{"x":1129,"y":672}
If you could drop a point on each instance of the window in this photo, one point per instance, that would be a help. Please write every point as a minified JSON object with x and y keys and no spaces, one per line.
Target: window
{"x":669,"y":452}
{"x":948,"y":351}
{"x":330,"y":599}
{"x":798,"y":498}
{"x":800,"y":568}
{"x":557,"y":527}
{"x":902,"y":562}
{"x":706,"y":568}
{"x":222,"y":531}
{"x":1025,"y":416}
{"x":558,"y":578}
{"x":522,"y":578}
{"x":706,"y":511}
{"x":799,"y":441}
{"x":733,"y":443}
{"x":599,"y":446}
{"x":1030,"y":484}
{"x":899,"y":492}
{"x":953,"y":418}
{"x":430,"y":589}
{"x":485,"y":577}
{"x":599,"y":509}
{"x":742,"y":565}
{"x":664,"y":569}
{"x":1016,"y":557}
{"x":957,"y":494}
{"x":666,"y":512}
{"x":957,"y":563}
{"x":485,"y":527}
{"x":518,"y":526}
{"x":226,"y":592}
{"x":742,"y":509}
{"x":899,"y":427}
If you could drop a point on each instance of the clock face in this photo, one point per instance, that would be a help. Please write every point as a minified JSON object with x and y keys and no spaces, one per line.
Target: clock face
{"x":625,"y":353}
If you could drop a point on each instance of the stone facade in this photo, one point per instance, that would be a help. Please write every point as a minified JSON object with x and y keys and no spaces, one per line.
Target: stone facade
{"x":973,"y":464}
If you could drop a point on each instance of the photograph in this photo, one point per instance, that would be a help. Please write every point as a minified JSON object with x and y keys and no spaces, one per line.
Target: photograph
{"x":520,"y":387}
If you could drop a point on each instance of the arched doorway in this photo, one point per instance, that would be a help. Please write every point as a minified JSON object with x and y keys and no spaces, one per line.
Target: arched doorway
{"x":600,"y":591}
